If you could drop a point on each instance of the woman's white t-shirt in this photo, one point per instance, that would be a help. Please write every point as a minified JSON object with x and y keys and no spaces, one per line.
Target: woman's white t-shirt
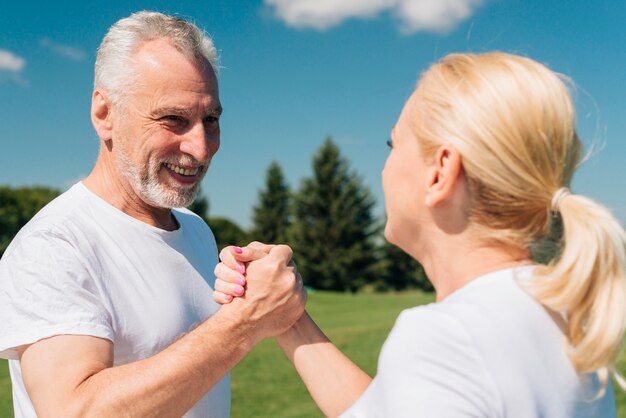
{"x":488,"y":350}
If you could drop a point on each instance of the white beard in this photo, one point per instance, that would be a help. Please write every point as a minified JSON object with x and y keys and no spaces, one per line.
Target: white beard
{"x":146,"y":184}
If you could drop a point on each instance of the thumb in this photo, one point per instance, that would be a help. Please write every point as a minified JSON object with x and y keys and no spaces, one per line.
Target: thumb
{"x":261,"y":247}
{"x":281,"y":252}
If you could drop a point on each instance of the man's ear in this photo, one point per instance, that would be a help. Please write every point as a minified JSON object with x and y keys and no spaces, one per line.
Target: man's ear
{"x":102,"y":114}
{"x":445,"y":173}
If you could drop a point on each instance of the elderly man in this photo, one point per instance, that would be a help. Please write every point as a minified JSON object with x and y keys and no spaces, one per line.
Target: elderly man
{"x":105,"y":296}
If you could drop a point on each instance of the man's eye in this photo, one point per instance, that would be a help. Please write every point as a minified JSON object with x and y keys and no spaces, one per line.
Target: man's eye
{"x":211,"y":119}
{"x":174,"y":119}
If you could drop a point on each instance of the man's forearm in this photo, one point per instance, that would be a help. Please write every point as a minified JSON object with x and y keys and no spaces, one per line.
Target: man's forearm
{"x":73,"y":375}
{"x":334,"y":381}
{"x":166,"y":384}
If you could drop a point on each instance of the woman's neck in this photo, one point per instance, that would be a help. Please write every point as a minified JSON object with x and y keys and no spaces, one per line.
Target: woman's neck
{"x":453,"y":261}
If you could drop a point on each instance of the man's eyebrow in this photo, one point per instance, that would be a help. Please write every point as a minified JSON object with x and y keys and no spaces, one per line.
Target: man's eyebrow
{"x":183,"y":111}
{"x":214,"y":111}
{"x":173,"y":110}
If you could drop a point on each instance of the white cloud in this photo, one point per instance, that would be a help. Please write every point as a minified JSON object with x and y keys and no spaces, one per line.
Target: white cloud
{"x":323,"y":14}
{"x":433,"y":15}
{"x":11,"y":62}
{"x":73,"y":53}
{"x":412,"y":15}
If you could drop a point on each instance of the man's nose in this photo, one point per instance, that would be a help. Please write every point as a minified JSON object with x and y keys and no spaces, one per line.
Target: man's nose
{"x":199,"y":143}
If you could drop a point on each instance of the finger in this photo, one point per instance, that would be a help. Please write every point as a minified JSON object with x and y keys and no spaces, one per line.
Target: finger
{"x":293,"y":265}
{"x":282,"y":252}
{"x":301,"y":289}
{"x":299,"y":281}
{"x":229,"y":256}
{"x":304,"y":294}
{"x":222,"y":298}
{"x":251,"y":253}
{"x":236,"y":257}
{"x":223,"y":272}
{"x":260,"y":246}
{"x":231,"y":289}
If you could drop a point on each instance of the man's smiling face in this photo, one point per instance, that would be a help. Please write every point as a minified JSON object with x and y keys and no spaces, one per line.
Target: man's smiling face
{"x":167,"y":126}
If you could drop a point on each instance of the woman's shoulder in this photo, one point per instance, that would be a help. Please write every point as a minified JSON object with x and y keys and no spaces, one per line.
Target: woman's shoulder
{"x":430,"y":328}
{"x":428,"y":356}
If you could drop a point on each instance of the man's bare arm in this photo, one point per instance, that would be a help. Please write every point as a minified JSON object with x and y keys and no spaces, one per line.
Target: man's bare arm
{"x":72,"y":376}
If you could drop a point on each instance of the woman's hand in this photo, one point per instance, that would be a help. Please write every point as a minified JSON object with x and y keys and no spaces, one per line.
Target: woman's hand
{"x":231,"y":272}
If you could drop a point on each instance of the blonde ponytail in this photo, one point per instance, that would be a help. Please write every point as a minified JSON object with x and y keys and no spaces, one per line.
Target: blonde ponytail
{"x":512,"y":120}
{"x":586,"y":283}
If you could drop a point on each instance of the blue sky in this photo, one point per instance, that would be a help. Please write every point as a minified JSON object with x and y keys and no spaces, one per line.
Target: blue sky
{"x":296,"y":71}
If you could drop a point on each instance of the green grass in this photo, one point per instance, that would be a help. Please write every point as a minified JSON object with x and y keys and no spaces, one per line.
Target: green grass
{"x":6,"y":403}
{"x":620,"y":395}
{"x":264,"y":383}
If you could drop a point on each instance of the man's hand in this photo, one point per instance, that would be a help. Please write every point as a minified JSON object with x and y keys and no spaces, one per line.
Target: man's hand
{"x":274,"y":294}
{"x":333,"y":380}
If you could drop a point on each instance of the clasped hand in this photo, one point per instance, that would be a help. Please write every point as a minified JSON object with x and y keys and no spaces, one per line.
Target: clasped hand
{"x":263,"y":279}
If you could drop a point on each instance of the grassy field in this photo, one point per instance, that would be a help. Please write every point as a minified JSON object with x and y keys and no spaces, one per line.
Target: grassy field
{"x":6,"y":404}
{"x":264,"y":384}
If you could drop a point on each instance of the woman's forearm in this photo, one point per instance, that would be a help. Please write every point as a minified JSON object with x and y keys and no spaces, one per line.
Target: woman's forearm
{"x":334,"y":381}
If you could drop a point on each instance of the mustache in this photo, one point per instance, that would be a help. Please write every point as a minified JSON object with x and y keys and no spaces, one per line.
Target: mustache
{"x":186,"y":161}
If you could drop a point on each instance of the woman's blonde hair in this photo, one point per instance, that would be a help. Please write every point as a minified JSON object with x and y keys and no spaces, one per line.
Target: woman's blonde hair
{"x":512,"y":120}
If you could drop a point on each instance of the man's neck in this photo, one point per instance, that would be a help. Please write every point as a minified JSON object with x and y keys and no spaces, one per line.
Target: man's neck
{"x":102,"y":182}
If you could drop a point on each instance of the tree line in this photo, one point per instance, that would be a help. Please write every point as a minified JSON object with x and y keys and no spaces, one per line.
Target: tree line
{"x":17,"y":206}
{"x":328,"y":221}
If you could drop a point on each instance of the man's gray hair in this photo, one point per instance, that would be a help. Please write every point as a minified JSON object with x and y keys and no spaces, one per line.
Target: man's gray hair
{"x":115,"y":54}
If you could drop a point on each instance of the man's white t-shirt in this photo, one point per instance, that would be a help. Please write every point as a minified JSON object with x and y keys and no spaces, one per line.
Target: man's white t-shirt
{"x":488,"y":350}
{"x":81,"y":266}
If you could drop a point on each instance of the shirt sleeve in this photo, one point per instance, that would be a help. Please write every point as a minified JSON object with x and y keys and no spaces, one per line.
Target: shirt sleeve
{"x":46,"y":290}
{"x":429,"y":367}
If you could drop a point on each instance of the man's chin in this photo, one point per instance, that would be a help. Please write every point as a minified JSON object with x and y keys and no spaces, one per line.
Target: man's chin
{"x":168,"y":199}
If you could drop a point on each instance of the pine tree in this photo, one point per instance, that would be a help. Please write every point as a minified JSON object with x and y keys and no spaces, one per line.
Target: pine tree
{"x":227,"y":232}
{"x":333,"y":226}
{"x":18,"y":206}
{"x":271,"y":216}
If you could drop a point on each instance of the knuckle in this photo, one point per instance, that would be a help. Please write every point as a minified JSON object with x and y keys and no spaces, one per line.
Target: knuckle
{"x":288,"y":251}
{"x":219,"y":272}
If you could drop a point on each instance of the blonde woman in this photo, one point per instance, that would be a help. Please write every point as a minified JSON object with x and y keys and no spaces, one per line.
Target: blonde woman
{"x":480,"y":163}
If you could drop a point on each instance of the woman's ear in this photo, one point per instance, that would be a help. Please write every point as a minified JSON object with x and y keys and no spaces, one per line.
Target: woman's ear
{"x":444,"y":174}
{"x":102,"y":114}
